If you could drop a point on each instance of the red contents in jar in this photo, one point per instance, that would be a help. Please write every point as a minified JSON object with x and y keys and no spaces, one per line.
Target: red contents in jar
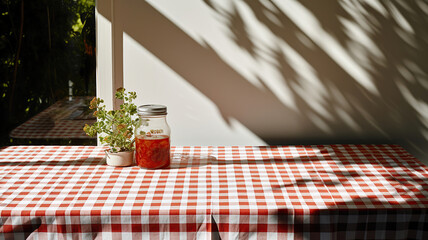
{"x":153,"y":151}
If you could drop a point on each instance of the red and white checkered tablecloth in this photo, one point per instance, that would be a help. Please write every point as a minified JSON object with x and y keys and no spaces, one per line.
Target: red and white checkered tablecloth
{"x":63,"y":120}
{"x":290,"y":192}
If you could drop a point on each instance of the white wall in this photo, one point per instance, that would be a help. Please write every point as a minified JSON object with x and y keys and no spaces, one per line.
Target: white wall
{"x":104,"y":55}
{"x":260,"y":72}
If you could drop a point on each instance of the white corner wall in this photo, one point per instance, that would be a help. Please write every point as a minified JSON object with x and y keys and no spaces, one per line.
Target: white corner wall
{"x":272,"y":72}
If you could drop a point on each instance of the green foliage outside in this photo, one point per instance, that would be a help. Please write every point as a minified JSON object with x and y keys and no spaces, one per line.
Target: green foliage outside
{"x":43,"y":45}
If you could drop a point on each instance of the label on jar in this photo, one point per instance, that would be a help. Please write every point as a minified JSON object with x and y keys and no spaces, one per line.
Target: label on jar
{"x":151,"y":132}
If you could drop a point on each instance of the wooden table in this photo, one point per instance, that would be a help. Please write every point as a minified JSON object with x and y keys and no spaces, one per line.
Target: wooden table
{"x":287,"y":192}
{"x":63,"y":120}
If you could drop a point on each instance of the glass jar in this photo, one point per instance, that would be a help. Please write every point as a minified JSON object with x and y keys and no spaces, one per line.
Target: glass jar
{"x":152,"y":137}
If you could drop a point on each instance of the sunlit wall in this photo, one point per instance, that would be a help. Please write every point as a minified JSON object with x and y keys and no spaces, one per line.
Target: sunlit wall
{"x":256,"y":72}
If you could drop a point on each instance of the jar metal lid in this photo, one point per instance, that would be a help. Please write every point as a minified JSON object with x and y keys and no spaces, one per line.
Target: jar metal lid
{"x":151,"y":110}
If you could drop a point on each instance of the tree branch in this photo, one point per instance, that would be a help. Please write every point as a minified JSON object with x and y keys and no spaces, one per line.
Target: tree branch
{"x":15,"y":72}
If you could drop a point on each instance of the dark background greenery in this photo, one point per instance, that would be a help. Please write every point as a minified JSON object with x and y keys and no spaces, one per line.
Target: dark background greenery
{"x":43,"y":45}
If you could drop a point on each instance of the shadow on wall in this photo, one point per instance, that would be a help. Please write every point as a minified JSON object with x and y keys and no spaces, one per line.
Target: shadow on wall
{"x":374,"y":89}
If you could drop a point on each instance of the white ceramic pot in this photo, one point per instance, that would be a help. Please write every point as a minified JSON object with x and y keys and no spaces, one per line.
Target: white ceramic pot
{"x":120,"y":159}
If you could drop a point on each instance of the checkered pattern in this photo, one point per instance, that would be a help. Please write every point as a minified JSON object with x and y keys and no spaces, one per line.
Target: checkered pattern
{"x":294,"y":192}
{"x":62,"y":120}
{"x":319,"y":192}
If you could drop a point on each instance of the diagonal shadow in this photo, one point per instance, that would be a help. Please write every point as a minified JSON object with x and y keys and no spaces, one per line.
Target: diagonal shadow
{"x":352,"y":114}
{"x":202,"y":67}
{"x":400,"y":76}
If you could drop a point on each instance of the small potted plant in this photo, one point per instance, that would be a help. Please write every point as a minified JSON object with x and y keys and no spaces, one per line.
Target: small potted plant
{"x":115,"y":128}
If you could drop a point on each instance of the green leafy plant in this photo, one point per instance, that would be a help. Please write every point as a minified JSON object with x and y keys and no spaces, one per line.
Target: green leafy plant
{"x":115,"y":127}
